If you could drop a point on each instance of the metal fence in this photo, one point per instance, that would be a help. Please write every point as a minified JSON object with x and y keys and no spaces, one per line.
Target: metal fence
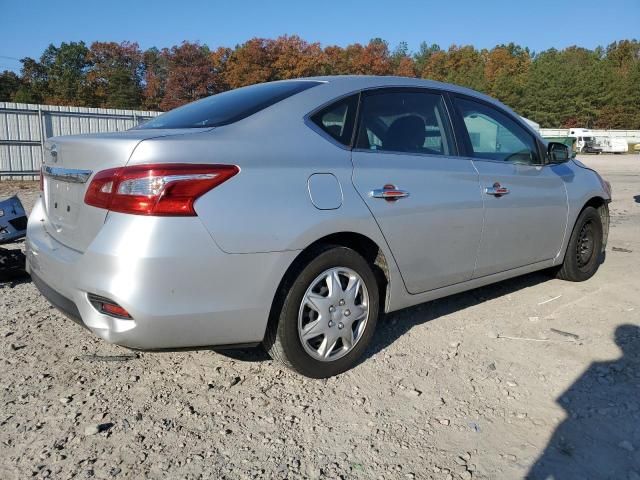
{"x":631,"y":136}
{"x":25,"y":127}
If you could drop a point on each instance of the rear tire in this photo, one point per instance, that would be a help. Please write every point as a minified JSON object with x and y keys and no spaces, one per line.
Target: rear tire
{"x":584,"y":251}
{"x":325,"y":315}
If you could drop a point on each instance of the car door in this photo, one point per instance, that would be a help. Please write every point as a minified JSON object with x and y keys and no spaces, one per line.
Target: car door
{"x":425,"y":198}
{"x":525,"y":202}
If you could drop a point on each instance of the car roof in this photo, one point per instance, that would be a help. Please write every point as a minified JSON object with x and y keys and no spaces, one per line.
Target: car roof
{"x":373,"y":81}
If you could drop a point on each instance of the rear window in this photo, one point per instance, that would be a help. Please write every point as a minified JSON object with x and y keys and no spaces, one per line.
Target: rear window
{"x":228,"y":107}
{"x":338,"y":119}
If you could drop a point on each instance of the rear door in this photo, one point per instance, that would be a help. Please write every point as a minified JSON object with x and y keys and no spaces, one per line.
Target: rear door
{"x":425,"y":198}
{"x":525,"y":201}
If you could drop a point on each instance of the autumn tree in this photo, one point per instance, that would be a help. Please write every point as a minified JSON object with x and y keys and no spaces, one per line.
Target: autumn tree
{"x":422,"y":56}
{"x":219,"y":60}
{"x":402,"y":63}
{"x":506,"y":70}
{"x":292,"y":57}
{"x":372,"y":59}
{"x":156,"y":71}
{"x":9,"y":85}
{"x":249,"y":63}
{"x":190,"y":75}
{"x":465,"y":66}
{"x":569,"y":87}
{"x":339,"y":59}
{"x":435,"y":66}
{"x":116,"y":74}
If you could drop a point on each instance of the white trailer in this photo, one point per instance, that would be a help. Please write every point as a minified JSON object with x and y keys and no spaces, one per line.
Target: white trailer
{"x":612,"y":144}
{"x":587,"y":141}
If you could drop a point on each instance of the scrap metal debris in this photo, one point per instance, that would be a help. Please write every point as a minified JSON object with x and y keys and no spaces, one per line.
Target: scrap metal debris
{"x":13,"y":220}
{"x":565,"y":334}
{"x":550,"y":300}
{"x":13,"y":227}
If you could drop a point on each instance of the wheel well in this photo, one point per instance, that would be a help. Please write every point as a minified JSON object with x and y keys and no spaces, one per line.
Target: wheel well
{"x":595,"y":202}
{"x":362,"y":244}
{"x":602,"y":206}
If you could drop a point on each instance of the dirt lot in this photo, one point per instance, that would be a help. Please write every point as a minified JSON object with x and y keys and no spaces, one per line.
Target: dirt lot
{"x":480,"y":385}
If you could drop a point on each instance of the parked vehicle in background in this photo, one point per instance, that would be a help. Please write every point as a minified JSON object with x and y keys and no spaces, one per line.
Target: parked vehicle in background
{"x":291,"y":213}
{"x":588,"y":142}
{"x":585,"y":141}
{"x":613,"y":145}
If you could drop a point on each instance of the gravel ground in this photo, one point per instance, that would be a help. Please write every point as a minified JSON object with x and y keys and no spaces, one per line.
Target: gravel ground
{"x":530,"y":376}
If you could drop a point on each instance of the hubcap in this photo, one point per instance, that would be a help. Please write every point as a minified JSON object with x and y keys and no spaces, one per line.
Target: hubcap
{"x":584,"y":248}
{"x":333,"y":314}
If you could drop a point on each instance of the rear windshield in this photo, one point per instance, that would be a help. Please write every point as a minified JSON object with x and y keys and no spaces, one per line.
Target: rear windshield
{"x":228,"y":107}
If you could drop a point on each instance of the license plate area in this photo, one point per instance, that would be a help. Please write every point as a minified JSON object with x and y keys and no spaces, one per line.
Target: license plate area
{"x":64,"y":201}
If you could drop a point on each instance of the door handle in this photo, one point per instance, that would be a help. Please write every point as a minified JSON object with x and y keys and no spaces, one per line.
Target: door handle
{"x":496,"y":190}
{"x":389,"y":192}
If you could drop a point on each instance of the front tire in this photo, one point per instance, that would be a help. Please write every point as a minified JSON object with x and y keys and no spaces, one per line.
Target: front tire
{"x":326,"y":315}
{"x":582,"y":258}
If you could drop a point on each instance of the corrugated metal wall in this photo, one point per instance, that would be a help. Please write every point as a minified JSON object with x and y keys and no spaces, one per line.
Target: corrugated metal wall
{"x":24,"y":128}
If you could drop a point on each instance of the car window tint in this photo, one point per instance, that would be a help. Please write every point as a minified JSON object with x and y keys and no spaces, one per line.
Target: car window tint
{"x":228,"y":107}
{"x":338,"y":119}
{"x":495,"y":136}
{"x":410,"y":122}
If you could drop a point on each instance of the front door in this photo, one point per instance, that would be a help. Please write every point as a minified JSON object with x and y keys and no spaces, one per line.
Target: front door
{"x":525,"y":201}
{"x":424,"y":197}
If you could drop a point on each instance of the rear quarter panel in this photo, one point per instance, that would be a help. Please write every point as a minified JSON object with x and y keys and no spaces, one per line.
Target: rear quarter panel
{"x":267,"y":207}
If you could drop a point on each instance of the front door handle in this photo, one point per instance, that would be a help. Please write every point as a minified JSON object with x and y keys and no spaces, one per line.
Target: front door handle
{"x":389,"y":192}
{"x":496,"y":190}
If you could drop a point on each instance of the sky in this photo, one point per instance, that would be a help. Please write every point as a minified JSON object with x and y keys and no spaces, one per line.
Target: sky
{"x":27,"y":27}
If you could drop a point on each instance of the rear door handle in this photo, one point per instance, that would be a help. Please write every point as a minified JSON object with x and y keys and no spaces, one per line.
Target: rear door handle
{"x":496,"y":190}
{"x":389,"y":192}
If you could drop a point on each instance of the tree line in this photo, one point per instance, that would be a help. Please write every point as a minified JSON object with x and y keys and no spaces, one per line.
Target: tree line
{"x":575,"y":86}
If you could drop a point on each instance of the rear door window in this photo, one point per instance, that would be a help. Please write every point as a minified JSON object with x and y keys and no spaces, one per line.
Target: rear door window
{"x":405,"y":121}
{"x":337,"y":120}
{"x":229,"y":107}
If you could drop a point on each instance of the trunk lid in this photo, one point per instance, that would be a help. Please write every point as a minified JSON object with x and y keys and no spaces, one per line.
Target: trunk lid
{"x":69,"y":164}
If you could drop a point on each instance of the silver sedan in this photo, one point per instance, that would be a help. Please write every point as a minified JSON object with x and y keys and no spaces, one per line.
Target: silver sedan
{"x":292,"y":213}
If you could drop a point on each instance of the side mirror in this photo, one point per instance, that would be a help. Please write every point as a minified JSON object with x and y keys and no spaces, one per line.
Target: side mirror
{"x":558,"y":152}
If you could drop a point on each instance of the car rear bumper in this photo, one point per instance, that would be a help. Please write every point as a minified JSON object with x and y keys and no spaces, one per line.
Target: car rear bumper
{"x":180,"y":289}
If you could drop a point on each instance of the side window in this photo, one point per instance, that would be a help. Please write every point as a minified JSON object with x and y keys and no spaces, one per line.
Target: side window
{"x":411,"y":122}
{"x":495,"y":136}
{"x":338,"y":119}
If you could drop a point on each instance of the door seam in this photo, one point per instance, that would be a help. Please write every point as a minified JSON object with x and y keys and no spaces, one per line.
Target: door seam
{"x":484,"y":218}
{"x":353,"y":185}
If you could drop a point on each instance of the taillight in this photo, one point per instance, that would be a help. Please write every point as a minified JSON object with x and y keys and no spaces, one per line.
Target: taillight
{"x":42,"y":178}
{"x":159,"y":190}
